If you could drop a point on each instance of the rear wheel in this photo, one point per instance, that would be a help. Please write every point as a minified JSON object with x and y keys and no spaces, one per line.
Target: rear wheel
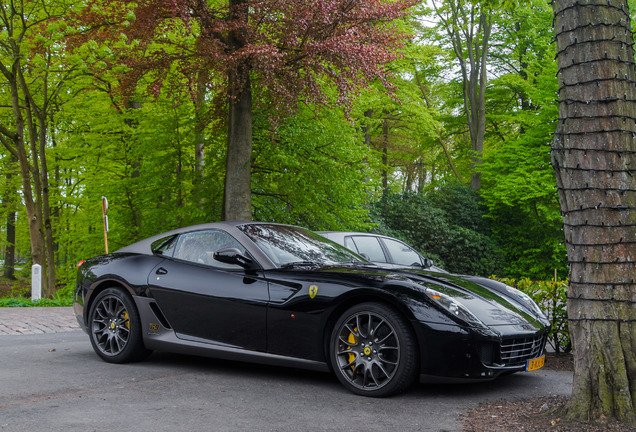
{"x":373,"y":350}
{"x":115,"y":327}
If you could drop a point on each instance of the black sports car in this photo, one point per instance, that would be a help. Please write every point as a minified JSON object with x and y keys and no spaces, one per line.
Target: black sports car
{"x":283,"y":295}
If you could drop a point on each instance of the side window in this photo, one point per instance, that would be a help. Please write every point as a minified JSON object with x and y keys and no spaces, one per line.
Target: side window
{"x":165,"y":246}
{"x":402,"y":254}
{"x":370,"y":246}
{"x":199,"y":247}
{"x":349,"y":244}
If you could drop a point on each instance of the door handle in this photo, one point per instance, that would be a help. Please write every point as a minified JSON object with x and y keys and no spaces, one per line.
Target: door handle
{"x":162,"y":271}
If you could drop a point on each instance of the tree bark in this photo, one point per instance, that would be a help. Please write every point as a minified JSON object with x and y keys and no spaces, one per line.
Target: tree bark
{"x":237,"y":198}
{"x":594,"y":156}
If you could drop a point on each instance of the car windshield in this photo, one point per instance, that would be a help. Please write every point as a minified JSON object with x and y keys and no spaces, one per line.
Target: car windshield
{"x":288,"y":245}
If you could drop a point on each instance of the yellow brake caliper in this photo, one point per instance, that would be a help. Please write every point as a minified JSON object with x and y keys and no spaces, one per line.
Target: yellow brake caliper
{"x":352,"y":340}
{"x":127,"y":320}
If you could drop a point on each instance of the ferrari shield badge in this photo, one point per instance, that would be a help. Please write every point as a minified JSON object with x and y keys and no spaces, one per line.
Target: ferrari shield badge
{"x":313,"y":290}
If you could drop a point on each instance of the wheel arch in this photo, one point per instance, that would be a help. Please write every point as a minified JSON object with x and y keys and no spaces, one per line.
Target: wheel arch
{"x":100,"y":286}
{"x":364,"y":297}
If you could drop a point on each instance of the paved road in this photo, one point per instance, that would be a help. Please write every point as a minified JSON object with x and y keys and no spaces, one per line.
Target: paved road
{"x":52,"y":381}
{"x":37,"y":320}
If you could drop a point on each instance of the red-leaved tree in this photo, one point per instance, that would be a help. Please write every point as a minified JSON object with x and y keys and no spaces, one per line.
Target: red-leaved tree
{"x":288,"y":48}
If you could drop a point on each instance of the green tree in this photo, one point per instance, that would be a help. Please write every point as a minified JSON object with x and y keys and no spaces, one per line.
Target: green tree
{"x":32,"y":63}
{"x":468,"y":27}
{"x":311,"y":171}
{"x":518,"y":183}
{"x":289,"y":49}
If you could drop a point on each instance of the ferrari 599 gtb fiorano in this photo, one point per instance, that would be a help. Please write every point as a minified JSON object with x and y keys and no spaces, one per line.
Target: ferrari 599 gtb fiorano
{"x":283,"y":295}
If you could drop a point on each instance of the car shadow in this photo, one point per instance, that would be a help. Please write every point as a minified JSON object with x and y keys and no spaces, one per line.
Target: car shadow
{"x":516,"y":385}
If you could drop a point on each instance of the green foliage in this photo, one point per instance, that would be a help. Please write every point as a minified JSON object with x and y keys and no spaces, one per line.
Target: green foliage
{"x":452,"y":233}
{"x":518,"y":184}
{"x":19,"y":295}
{"x":551,"y":296}
{"x":310,"y":172}
{"x":23,"y":302}
{"x":317,"y":168}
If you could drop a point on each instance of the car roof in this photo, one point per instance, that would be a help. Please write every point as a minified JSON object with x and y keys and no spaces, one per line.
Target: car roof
{"x":144,"y":246}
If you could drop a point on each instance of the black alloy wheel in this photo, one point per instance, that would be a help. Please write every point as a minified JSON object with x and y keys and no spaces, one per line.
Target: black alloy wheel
{"x":115,"y":327}
{"x":373,"y":350}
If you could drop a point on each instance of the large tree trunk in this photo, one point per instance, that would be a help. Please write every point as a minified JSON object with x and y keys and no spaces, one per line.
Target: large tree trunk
{"x":594,"y":157}
{"x":237,"y":198}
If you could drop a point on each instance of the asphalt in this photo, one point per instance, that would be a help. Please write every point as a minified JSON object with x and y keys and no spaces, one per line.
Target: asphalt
{"x":36,"y":320}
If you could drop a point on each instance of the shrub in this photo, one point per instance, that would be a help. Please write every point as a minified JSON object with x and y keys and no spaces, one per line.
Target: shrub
{"x":446,"y":225}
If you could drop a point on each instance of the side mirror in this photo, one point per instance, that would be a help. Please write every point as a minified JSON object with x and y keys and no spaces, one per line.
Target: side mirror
{"x":428,"y":263}
{"x":233,"y":256}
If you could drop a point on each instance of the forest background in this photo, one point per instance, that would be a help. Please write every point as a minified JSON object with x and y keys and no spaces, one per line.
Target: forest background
{"x":403,"y":161}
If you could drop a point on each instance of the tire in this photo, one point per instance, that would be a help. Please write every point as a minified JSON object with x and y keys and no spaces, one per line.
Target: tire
{"x":373,"y":351}
{"x":115,"y":327}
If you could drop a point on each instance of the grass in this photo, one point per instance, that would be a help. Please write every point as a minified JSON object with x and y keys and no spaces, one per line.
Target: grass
{"x":24,"y":302}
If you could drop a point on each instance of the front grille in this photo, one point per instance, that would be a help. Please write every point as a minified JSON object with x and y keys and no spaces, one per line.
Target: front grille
{"x":516,"y":351}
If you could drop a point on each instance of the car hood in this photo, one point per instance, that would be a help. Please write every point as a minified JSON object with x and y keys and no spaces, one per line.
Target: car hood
{"x":488,"y":300}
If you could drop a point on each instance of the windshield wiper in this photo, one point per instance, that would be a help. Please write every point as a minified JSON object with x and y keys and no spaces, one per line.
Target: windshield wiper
{"x":299,"y":264}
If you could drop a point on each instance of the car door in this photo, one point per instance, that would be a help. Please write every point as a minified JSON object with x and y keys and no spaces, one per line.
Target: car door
{"x":204,"y":299}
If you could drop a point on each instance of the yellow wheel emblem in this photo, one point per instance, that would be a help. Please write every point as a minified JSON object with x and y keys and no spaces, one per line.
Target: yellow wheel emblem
{"x":112,"y":326}
{"x":367,"y":351}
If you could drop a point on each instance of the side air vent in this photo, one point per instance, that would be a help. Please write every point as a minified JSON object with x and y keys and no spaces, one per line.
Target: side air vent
{"x":162,"y":319}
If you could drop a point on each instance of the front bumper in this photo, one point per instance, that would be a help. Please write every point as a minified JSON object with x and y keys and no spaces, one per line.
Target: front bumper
{"x":457,"y":354}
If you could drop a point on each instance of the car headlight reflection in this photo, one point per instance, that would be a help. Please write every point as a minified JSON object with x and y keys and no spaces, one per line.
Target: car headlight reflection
{"x":453,"y":306}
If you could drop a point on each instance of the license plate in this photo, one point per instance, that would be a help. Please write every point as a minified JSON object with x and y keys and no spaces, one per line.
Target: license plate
{"x":535,"y":364}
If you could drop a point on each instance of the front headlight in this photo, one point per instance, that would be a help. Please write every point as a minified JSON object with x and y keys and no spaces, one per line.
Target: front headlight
{"x":453,"y":306}
{"x":527,"y":300}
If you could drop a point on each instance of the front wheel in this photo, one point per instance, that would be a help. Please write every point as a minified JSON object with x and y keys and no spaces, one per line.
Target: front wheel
{"x":115,"y":327}
{"x":373,"y":350}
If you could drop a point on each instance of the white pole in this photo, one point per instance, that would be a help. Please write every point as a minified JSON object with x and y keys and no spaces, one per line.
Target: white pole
{"x":36,"y":282}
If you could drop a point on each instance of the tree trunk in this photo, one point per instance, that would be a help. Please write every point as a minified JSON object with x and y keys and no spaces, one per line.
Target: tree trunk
{"x":594,"y":157}
{"x":16,"y":145}
{"x":468,"y":28}
{"x":199,"y":127}
{"x":385,"y":153}
{"x":9,"y":255}
{"x":237,"y":198}
{"x":8,"y":202}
